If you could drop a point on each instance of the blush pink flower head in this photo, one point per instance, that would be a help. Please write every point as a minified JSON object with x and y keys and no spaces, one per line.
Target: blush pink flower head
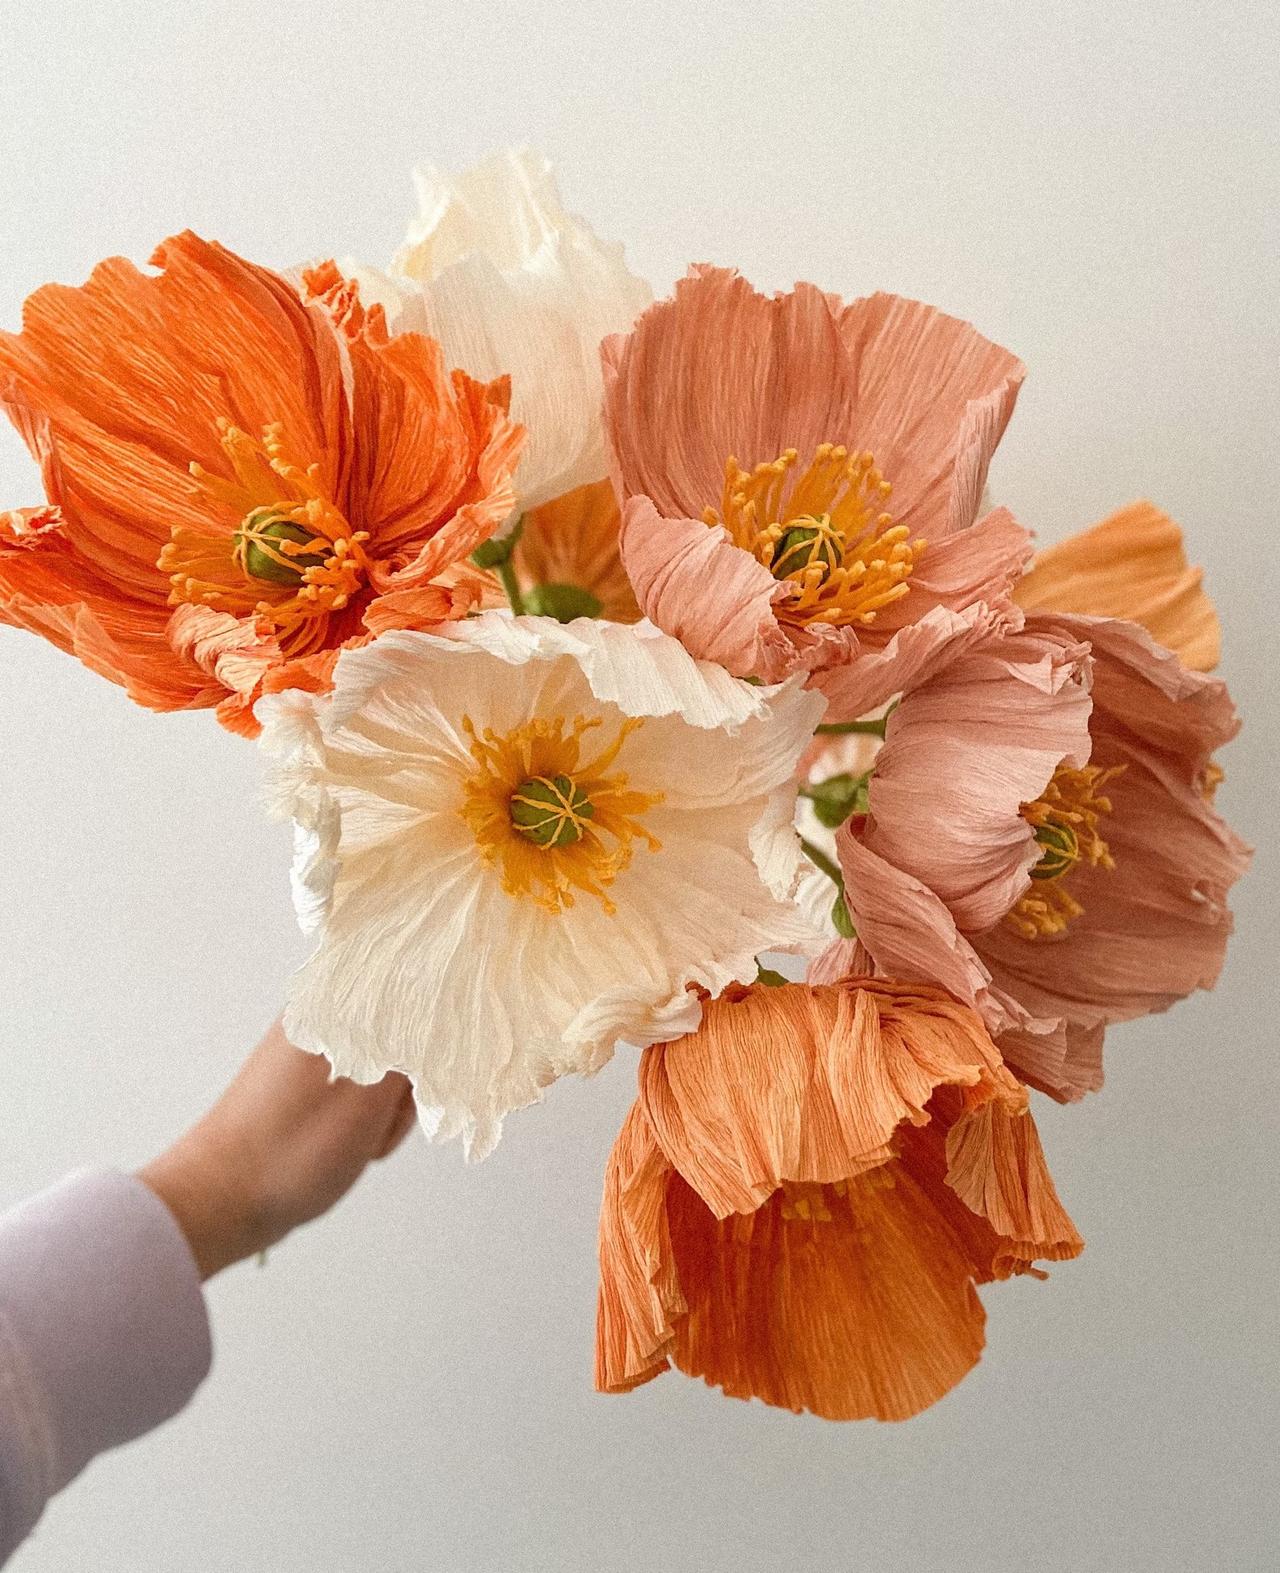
{"x":1119,"y":906}
{"x":801,"y":477}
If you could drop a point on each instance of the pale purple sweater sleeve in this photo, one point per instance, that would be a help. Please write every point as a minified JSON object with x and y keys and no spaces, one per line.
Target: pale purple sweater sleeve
{"x":103,"y":1333}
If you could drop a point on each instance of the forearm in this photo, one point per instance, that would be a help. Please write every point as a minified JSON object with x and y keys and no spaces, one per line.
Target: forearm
{"x":103,"y":1333}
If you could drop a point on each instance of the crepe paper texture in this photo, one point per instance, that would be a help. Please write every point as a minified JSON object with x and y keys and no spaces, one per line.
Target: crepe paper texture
{"x":601,"y":648}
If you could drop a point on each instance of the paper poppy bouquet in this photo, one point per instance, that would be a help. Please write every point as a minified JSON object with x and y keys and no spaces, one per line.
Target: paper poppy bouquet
{"x":603,"y":652}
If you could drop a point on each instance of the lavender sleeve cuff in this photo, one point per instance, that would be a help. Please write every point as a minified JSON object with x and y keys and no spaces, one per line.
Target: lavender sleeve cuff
{"x":103,"y":1333}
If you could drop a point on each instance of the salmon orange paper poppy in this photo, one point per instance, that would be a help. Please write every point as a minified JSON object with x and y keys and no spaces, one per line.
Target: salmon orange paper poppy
{"x":805,"y":1194}
{"x":239,"y":482}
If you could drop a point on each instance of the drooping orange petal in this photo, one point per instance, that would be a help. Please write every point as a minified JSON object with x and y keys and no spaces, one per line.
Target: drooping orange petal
{"x":804,"y":1083}
{"x":869,"y":1314}
{"x":805,"y":1194}
{"x":996,"y":1166}
{"x":1131,"y":565}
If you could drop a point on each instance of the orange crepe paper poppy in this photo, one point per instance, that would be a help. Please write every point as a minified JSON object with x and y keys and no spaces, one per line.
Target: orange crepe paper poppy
{"x":240,"y":481}
{"x":806,"y":1192}
{"x":572,"y":540}
{"x":1131,"y":565}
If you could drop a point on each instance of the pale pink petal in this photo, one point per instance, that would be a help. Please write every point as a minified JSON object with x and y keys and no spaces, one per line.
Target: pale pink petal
{"x":692,"y":582}
{"x":842,"y":959}
{"x":1155,"y":927}
{"x":860,"y":687}
{"x":1184,"y":714}
{"x":978,"y":564}
{"x":721,"y":372}
{"x":1065,"y":1061}
{"x":906,"y":928}
{"x":933,"y":399}
{"x":962,"y":754}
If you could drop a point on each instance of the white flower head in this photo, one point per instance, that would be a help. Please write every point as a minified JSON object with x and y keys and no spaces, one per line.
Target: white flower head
{"x":531,"y":840}
{"x":511,"y":284}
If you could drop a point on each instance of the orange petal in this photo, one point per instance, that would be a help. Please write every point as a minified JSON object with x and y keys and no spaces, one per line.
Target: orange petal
{"x":871,"y":1313}
{"x":574,"y":540}
{"x":805,"y":1083}
{"x":1132,"y":565}
{"x":805,"y":1193}
{"x":996,"y":1166}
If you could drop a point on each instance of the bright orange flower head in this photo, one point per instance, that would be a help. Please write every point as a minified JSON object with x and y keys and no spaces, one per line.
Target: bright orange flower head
{"x":570,"y":541}
{"x":240,"y":481}
{"x":574,"y":540}
{"x":805,"y":1193}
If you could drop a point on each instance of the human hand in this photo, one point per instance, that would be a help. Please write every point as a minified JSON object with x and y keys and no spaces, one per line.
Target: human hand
{"x":281,"y":1145}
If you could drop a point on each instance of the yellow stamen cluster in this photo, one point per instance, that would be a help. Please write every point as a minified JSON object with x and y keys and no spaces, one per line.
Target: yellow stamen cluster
{"x":820,"y":1202}
{"x":808,"y":1200}
{"x":1211,"y":778}
{"x":1065,"y":818}
{"x":551,"y":821}
{"x":823,"y":533}
{"x":293,"y":558}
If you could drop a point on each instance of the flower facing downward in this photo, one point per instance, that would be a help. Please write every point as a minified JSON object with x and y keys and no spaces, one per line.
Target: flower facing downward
{"x":521,"y":841}
{"x":243,"y":482}
{"x":800,"y":477}
{"x":806,"y":1192}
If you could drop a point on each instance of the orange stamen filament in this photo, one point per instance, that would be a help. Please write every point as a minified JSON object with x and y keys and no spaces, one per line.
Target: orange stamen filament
{"x":283,"y":515}
{"x":823,"y":533}
{"x":550,"y":870}
{"x":1066,"y":818}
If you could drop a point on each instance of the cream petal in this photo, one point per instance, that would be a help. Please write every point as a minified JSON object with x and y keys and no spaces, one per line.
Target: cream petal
{"x":512,"y":285}
{"x":425,"y":964}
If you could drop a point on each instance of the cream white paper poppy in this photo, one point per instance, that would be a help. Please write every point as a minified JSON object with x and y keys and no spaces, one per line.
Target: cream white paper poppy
{"x":446,"y":950}
{"x":510,"y":283}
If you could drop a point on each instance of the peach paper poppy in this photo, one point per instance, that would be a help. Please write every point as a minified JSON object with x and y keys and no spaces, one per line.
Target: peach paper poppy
{"x":1123,"y":912}
{"x":1132,"y":565}
{"x":572,"y":540}
{"x":800,"y":477}
{"x":806,"y":1192}
{"x":240,"y":481}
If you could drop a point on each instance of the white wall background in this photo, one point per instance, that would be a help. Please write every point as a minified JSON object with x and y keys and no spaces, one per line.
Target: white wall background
{"x":407,"y":1385}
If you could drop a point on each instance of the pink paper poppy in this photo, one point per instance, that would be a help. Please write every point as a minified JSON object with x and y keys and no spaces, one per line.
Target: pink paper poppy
{"x":1118,"y":907}
{"x":800,"y":477}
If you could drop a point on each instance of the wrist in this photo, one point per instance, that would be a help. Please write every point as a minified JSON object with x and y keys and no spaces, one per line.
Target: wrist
{"x":212,"y":1203}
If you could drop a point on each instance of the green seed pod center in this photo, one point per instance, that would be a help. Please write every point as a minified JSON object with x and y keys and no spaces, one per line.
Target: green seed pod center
{"x":550,"y":811}
{"x":806,"y":546}
{"x":1061,"y":851}
{"x":258,"y":548}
